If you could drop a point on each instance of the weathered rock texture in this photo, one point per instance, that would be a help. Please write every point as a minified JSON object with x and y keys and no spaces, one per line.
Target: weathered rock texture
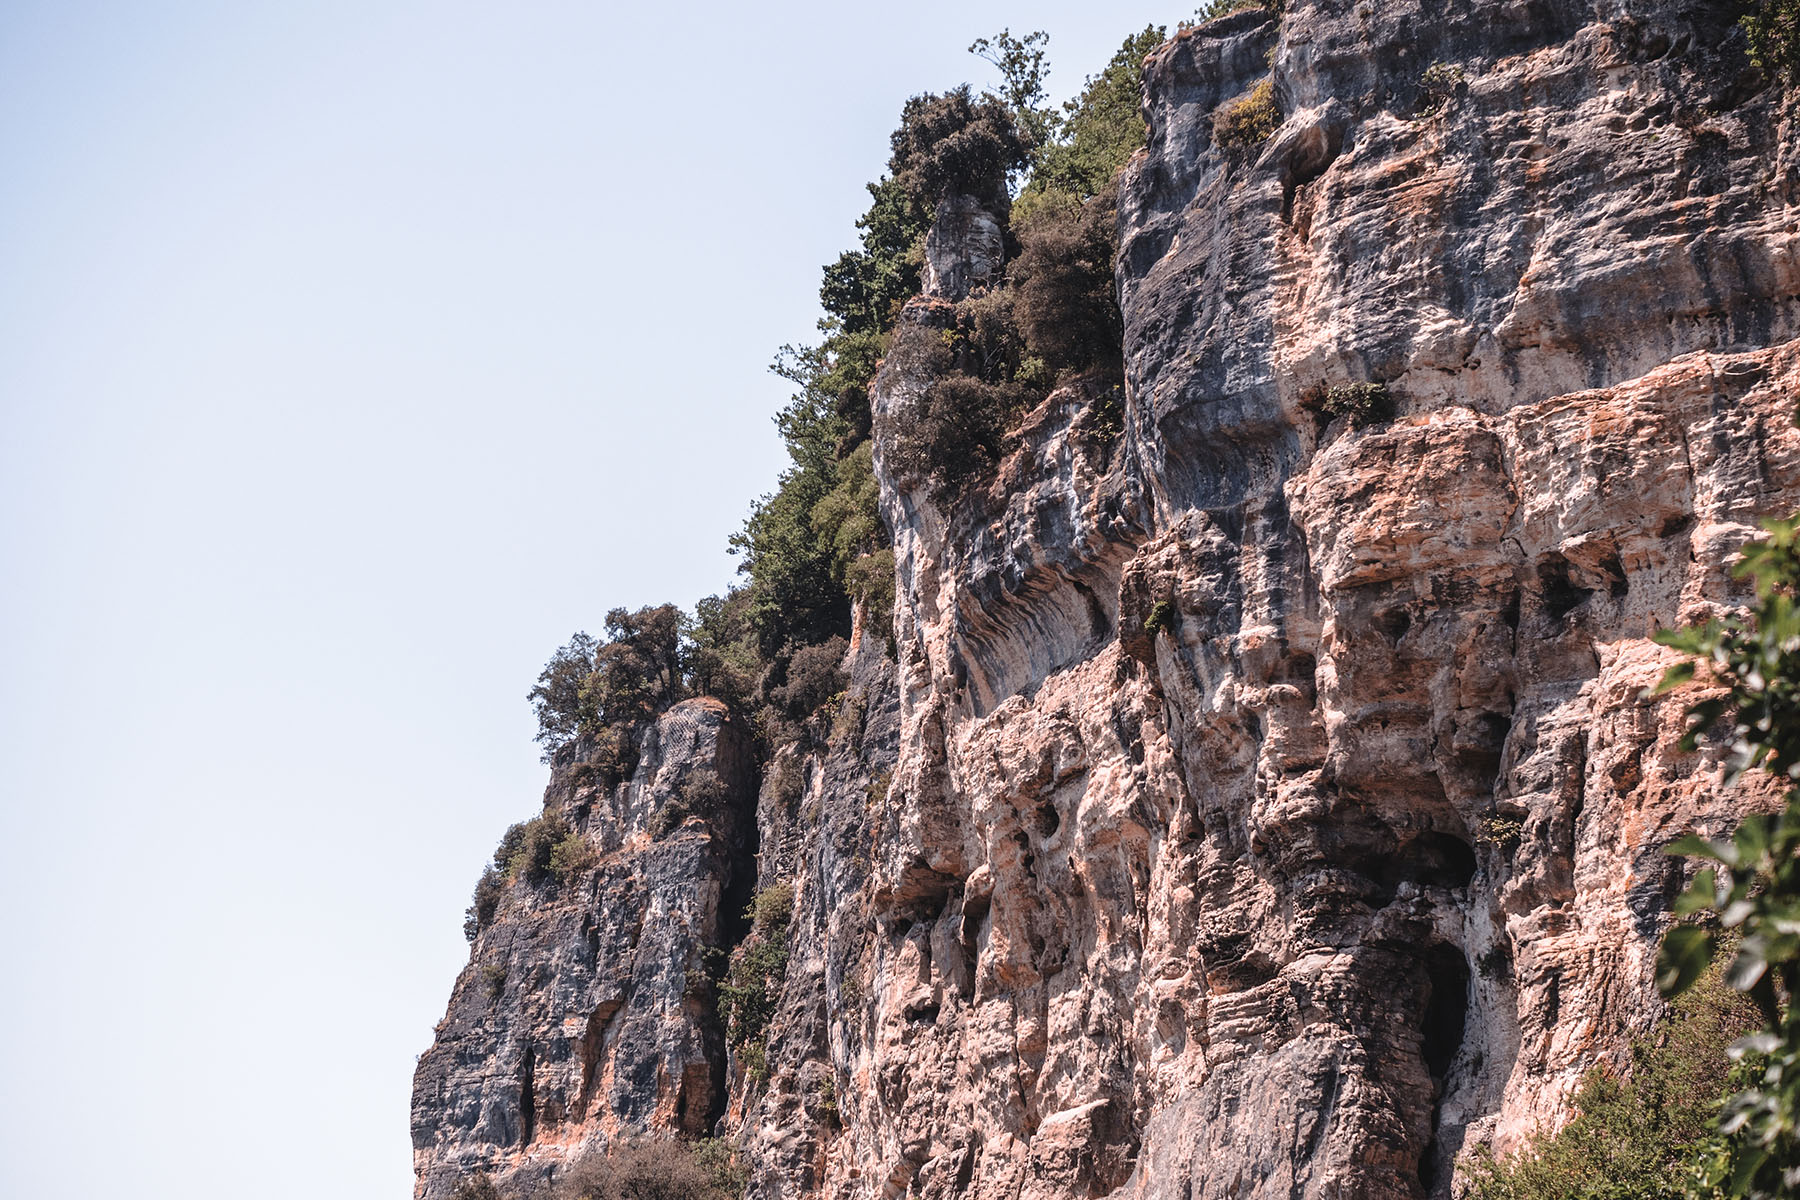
{"x":585,"y":1011}
{"x":1263,"y":804}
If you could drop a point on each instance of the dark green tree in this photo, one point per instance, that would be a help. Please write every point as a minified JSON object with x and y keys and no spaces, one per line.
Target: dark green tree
{"x":956,"y":144}
{"x":864,"y":289}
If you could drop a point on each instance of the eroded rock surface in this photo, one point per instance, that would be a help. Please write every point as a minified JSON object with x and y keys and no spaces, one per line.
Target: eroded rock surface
{"x":584,"y":1013}
{"x":1263,"y":803}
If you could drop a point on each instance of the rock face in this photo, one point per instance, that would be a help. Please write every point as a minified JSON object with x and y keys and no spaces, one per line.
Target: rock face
{"x":585,"y":1011}
{"x":1259,"y":802}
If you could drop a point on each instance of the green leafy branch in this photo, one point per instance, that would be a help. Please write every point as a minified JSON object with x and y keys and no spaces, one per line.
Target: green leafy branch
{"x":1752,"y":887}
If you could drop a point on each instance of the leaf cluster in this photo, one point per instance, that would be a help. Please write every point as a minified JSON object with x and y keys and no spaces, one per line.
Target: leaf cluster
{"x":1751,"y":885}
{"x":1773,"y":30}
{"x":956,"y":143}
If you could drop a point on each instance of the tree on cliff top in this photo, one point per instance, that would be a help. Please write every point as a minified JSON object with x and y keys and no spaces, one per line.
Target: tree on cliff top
{"x":956,"y":144}
{"x":609,"y":690}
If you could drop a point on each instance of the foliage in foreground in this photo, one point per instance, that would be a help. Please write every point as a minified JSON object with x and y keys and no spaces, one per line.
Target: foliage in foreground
{"x":1752,"y":890}
{"x":1646,"y":1134}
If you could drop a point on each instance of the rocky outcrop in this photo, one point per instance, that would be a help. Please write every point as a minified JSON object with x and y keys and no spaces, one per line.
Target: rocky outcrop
{"x":586,"y":1012}
{"x":1261,"y":800}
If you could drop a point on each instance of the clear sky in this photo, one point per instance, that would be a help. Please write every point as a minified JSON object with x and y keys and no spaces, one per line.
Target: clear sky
{"x":352,"y":355}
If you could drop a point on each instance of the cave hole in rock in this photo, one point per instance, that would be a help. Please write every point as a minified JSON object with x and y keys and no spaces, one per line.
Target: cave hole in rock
{"x":1509,"y":611}
{"x":1393,"y":623}
{"x":1430,"y":859}
{"x":925,"y":1013}
{"x":527,"y":1098}
{"x":1446,"y":1008}
{"x":1302,"y":668}
{"x":1557,"y":587}
{"x":1617,"y":586}
{"x":1441,"y":1034}
{"x":1048,"y":820}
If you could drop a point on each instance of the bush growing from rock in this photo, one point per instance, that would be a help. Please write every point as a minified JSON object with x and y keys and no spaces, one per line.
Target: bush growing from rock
{"x":570,"y":857}
{"x":1249,"y":120}
{"x":1363,"y":403}
{"x":1773,"y":29}
{"x":956,"y":144}
{"x":476,"y":1187}
{"x":1063,"y":300}
{"x":814,"y":675}
{"x":1640,"y":1134}
{"x":1438,"y":87}
{"x":486,"y":902}
{"x":654,"y":1170}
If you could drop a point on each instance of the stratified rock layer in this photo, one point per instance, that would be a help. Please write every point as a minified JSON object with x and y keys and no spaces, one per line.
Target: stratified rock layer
{"x":1262,"y":802}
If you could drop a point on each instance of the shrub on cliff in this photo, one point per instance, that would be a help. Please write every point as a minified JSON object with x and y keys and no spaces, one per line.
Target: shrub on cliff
{"x":1103,"y":127}
{"x":1214,"y":9}
{"x":864,"y":289}
{"x":956,"y":143}
{"x":722,"y":661}
{"x":1641,"y":1134}
{"x":796,"y":592}
{"x":1363,"y":403}
{"x":654,"y":1170}
{"x":1063,"y":299}
{"x":814,"y":675}
{"x":1249,"y":120}
{"x":485,"y":903}
{"x":525,"y":849}
{"x":476,"y":1187}
{"x":752,"y":988}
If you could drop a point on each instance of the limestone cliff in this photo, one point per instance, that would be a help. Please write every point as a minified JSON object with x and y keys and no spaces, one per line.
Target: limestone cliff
{"x":1257,"y":801}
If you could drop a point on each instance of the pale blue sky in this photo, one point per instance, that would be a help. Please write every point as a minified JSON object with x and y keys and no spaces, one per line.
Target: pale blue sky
{"x":351,"y":356}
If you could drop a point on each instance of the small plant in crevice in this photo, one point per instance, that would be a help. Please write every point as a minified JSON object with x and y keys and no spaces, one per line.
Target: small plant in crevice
{"x":1437,"y":88}
{"x":825,"y":1100}
{"x":1248,"y":121}
{"x":1106,"y":415}
{"x":1363,"y":403}
{"x":772,"y":909}
{"x":1501,"y":831}
{"x":1161,"y":618}
{"x":752,"y":987}
{"x":494,"y":976}
{"x":876,"y":794}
